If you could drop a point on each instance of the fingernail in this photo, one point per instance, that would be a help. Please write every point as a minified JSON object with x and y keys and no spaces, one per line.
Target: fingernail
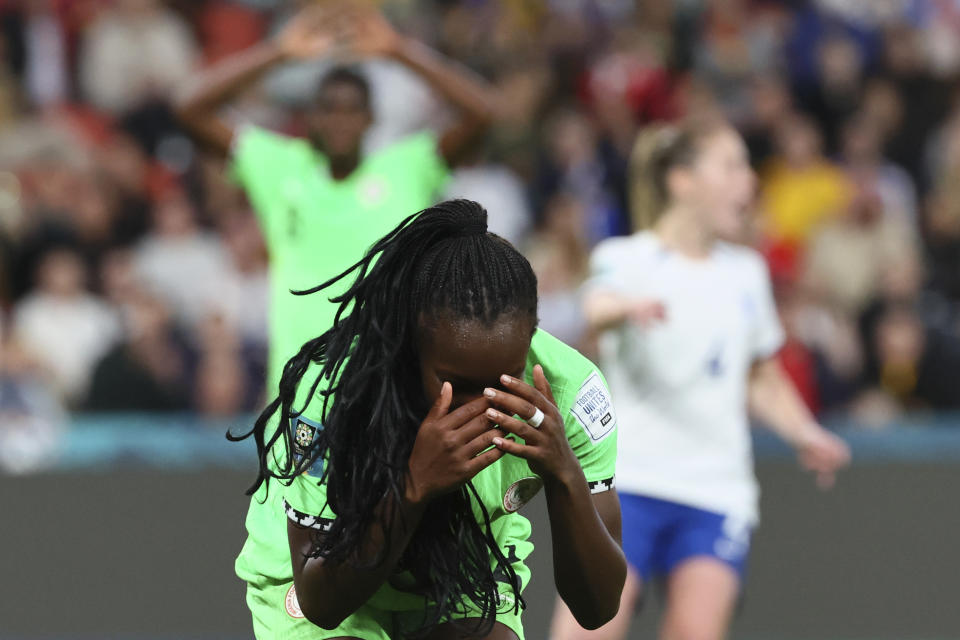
{"x":490,"y":393}
{"x":498,"y":441}
{"x":505,"y":379}
{"x":491,"y":413}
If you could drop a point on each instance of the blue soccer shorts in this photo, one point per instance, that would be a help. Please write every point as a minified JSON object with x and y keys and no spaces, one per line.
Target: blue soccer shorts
{"x":658,"y":535}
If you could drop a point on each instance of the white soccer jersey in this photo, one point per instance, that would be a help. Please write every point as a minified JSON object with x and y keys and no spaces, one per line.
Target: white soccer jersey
{"x":680,"y":385}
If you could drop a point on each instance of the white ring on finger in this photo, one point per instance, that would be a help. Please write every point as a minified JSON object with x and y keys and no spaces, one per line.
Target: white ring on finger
{"x":537,"y":419}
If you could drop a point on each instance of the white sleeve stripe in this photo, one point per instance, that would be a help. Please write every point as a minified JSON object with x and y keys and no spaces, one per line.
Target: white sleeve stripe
{"x":599,"y":486}
{"x":307,"y":520}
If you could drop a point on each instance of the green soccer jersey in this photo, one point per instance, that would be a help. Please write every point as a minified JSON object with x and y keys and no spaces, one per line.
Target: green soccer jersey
{"x":316,"y":227}
{"x":504,"y":487}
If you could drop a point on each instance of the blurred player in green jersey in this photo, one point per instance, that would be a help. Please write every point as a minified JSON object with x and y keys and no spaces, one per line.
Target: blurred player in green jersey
{"x":321,"y":201}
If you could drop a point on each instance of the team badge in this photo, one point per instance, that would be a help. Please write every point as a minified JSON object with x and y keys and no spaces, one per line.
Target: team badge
{"x":292,"y":605}
{"x":304,"y":435}
{"x":521,"y":492}
{"x":372,"y":192}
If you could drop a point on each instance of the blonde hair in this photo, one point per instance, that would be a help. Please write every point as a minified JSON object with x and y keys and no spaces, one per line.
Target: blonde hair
{"x":660,"y":148}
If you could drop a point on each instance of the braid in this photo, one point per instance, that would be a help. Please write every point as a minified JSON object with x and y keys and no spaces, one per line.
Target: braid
{"x":440,"y":260}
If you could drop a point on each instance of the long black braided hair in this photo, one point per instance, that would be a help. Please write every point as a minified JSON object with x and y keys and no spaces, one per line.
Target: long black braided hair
{"x":439,"y":263}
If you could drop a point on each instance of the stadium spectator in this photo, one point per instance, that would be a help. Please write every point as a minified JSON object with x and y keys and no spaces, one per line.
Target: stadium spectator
{"x":224,"y":371}
{"x":943,"y":236}
{"x":631,"y":84}
{"x":31,"y":417}
{"x":823,"y":344}
{"x":62,"y":326}
{"x":503,"y":193}
{"x":38,"y":49}
{"x":862,"y":155}
{"x":147,"y":370}
{"x":770,"y":100}
{"x":738,"y":41}
{"x":244,"y":293}
{"x":833,"y":100}
{"x":184,"y":264}
{"x":915,"y":366}
{"x":558,"y":254}
{"x":801,"y":188}
{"x":579,"y":162}
{"x":135,"y":50}
{"x":848,"y":257}
{"x":924,"y":98}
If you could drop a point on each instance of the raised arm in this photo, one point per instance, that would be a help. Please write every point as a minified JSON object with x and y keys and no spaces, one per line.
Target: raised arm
{"x":465,"y":90}
{"x":605,"y":310}
{"x":589,"y":567}
{"x":308,"y":35}
{"x":774,"y":400}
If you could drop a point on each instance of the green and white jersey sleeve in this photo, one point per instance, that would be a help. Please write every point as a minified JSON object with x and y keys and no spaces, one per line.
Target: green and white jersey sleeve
{"x":585,"y":403}
{"x":305,"y":498}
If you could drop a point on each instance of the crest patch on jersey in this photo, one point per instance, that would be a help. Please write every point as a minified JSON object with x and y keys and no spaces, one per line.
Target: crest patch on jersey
{"x":292,"y":604}
{"x":304,"y":433}
{"x":521,"y":492}
{"x":593,"y":408}
{"x":373,"y":191}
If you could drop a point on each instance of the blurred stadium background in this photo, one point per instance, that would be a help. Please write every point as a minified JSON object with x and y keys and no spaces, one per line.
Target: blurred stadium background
{"x":133,"y":281}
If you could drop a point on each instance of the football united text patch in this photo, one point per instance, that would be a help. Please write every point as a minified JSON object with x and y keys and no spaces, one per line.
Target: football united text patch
{"x":593,"y":408}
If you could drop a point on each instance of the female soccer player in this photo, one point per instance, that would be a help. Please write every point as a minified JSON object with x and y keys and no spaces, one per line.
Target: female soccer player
{"x":418,"y":426}
{"x":689,"y":334}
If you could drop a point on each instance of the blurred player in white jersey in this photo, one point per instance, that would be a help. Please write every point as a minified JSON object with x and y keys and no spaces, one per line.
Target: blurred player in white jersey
{"x":689,"y":334}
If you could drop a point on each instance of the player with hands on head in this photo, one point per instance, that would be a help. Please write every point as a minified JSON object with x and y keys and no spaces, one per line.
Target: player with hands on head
{"x":689,"y":334}
{"x":323,"y":200}
{"x":413,"y":431}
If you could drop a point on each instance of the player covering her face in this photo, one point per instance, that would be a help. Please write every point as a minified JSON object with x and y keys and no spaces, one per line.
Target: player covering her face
{"x":438,"y":276}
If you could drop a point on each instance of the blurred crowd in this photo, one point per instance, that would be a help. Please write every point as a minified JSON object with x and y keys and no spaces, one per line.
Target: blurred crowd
{"x":133,"y":275}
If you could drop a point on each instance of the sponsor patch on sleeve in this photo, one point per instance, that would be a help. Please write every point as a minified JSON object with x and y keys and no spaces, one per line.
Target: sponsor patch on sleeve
{"x":593,"y":408}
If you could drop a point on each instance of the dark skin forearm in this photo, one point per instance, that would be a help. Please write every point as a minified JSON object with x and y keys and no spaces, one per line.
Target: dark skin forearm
{"x":589,"y":567}
{"x":197,"y":105}
{"x":451,"y":447}
{"x":465,"y":90}
{"x":328,"y":594}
